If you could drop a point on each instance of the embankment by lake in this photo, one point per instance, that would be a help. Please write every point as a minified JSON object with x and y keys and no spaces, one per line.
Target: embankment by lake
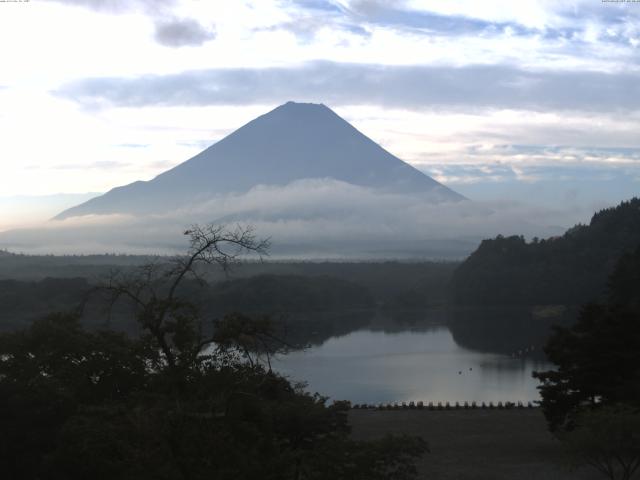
{"x":475,"y":444}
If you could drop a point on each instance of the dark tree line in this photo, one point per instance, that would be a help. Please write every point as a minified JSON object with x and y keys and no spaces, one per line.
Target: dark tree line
{"x":290,"y":293}
{"x":21,"y":302}
{"x":571,"y":269}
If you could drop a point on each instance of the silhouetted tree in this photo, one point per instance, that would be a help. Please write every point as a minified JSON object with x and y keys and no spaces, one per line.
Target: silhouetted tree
{"x":177,"y":401}
{"x":598,"y":358}
{"x":592,"y":400}
{"x":153,"y":290}
{"x":607,"y":439}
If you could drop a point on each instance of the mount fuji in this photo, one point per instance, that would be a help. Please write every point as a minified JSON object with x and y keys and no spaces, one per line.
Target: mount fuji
{"x":292,"y":143}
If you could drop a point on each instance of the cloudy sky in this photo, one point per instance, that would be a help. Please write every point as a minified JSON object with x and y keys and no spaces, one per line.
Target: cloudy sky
{"x":535,"y":101}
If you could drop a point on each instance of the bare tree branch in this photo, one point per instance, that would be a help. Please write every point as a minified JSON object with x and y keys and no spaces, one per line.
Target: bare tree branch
{"x":152,"y":289}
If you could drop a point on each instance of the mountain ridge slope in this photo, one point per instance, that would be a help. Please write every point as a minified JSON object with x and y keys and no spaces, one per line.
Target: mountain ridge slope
{"x":292,"y":142}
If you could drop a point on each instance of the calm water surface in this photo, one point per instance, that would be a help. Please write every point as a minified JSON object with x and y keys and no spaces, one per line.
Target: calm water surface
{"x":368,"y":366}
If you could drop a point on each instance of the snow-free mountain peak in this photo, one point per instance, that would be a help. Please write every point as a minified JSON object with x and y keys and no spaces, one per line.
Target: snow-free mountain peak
{"x":294,"y":141}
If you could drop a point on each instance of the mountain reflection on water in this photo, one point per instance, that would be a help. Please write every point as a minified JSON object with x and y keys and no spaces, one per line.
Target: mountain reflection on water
{"x":483,"y":355}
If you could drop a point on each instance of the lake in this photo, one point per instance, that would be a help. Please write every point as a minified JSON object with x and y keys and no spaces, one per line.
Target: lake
{"x":427,"y":364}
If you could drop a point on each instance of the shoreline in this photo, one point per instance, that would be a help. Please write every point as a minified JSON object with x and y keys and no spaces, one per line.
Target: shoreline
{"x":442,"y":406}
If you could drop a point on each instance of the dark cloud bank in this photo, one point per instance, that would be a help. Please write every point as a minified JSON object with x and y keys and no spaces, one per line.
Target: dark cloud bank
{"x":390,"y":86}
{"x":182,"y":32}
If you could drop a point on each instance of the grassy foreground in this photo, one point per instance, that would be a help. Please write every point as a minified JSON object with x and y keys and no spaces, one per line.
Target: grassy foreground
{"x":475,"y":444}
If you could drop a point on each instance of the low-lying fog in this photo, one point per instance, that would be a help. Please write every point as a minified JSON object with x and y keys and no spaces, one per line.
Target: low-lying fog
{"x":321,"y":218}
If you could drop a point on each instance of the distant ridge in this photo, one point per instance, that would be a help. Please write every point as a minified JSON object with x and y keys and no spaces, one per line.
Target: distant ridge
{"x":292,"y":142}
{"x":571,"y":269}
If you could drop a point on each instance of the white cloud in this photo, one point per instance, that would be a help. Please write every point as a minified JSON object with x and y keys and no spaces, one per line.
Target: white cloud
{"x":318,"y":217}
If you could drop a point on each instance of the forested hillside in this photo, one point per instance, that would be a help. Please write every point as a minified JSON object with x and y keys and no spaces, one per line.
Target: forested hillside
{"x":277,"y":293}
{"x":22,"y":302}
{"x":571,"y":269}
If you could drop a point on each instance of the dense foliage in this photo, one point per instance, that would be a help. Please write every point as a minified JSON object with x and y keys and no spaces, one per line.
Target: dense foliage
{"x":608,"y":439}
{"x":174,"y":402}
{"x":289,"y":293}
{"x":99,"y":405}
{"x":598,"y":359}
{"x":571,"y":269}
{"x":22,"y":302}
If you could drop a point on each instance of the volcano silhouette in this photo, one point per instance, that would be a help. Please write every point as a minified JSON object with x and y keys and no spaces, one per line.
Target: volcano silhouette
{"x":294,"y":141}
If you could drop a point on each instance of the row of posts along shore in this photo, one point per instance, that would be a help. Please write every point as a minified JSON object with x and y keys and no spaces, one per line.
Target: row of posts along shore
{"x":446,"y":406}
